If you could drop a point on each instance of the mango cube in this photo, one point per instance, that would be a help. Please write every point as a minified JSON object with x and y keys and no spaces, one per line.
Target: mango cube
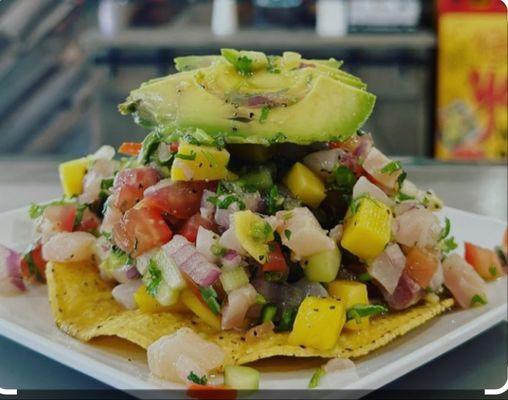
{"x":368,"y":229}
{"x":198,"y":163}
{"x":351,"y":293}
{"x":305,"y":185}
{"x":199,"y":308}
{"x":149,"y":304}
{"x":71,"y":176}
{"x":318,"y":323}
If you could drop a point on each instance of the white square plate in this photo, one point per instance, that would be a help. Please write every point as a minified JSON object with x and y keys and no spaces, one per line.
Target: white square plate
{"x":27,"y":319}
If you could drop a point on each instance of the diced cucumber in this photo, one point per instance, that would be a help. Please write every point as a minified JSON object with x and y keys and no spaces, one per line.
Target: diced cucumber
{"x":260,"y":179}
{"x":268,"y":313}
{"x":322,"y":267}
{"x":233,"y":279}
{"x":166,"y":296}
{"x":241,"y":378}
{"x":170,"y":272}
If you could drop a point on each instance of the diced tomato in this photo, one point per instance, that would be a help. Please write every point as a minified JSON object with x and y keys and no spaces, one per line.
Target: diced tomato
{"x":484,"y":261}
{"x":180,"y":199}
{"x":33,"y":266}
{"x":126,"y":197}
{"x":334,"y":145}
{"x":140,"y":230}
{"x":421,"y":266}
{"x":134,"y":148}
{"x":139,"y":178}
{"x":211,"y":392}
{"x":191,"y":226}
{"x":89,"y":221}
{"x":130,"y":148}
{"x":61,"y":216}
{"x":276,"y":261}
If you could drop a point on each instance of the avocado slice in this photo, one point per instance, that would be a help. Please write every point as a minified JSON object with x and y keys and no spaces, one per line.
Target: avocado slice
{"x":247,"y":97}
{"x":189,"y":63}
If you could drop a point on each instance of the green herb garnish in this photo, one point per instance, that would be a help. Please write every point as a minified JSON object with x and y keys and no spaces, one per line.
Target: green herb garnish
{"x":191,"y":156}
{"x":226,"y":201}
{"x":209,"y":295}
{"x":401,"y":179}
{"x":493,"y":271}
{"x":107,"y":183}
{"x":344,"y":178}
{"x":80,"y":210}
{"x":391,"y":167}
{"x":261,"y":231}
{"x":360,"y":311}
{"x":316,"y":377}
{"x":478,"y":299}
{"x":196,"y":379}
{"x":287,"y":233}
{"x":154,"y":278}
{"x":264,"y":114}
{"x":447,"y":243}
{"x":402,"y":197}
{"x":274,"y":200}
{"x":218,"y":250}
{"x":365,"y":277}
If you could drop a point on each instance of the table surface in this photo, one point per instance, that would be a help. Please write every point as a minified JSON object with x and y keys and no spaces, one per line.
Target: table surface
{"x":478,"y":364}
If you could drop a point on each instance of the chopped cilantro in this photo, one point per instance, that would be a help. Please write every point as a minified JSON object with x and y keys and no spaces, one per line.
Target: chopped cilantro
{"x":447,"y":243}
{"x":446,"y":230}
{"x":32,"y":267}
{"x":107,"y":183}
{"x":244,"y":65}
{"x":316,"y":377}
{"x":287,"y":233}
{"x":274,"y":200}
{"x":226,"y":201}
{"x":493,"y":271}
{"x":261,"y":231}
{"x":344,"y":178}
{"x":271,"y":66}
{"x":80,"y":210}
{"x":148,"y":147}
{"x":209,"y":295}
{"x":196,"y":379}
{"x":191,"y":156}
{"x":365,"y":277}
{"x":401,"y":178}
{"x":478,"y":299}
{"x":218,"y":250}
{"x":402,"y":197}
{"x":264,"y":114}
{"x":364,"y":310}
{"x":391,"y":167}
{"x":36,"y":210}
{"x":154,"y":278}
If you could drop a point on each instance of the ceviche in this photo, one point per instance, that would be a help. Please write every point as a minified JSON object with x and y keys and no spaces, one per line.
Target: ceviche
{"x":256,"y":206}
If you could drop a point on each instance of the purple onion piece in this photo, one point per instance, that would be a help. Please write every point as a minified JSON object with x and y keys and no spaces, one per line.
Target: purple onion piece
{"x":200,"y":270}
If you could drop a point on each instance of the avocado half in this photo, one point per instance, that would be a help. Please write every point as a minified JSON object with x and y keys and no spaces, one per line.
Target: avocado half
{"x":248,"y":97}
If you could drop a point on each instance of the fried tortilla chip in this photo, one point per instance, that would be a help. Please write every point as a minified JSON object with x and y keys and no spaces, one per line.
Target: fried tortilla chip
{"x":83,"y":307}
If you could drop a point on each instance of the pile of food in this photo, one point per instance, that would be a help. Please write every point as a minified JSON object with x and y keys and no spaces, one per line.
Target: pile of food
{"x":255,"y":219}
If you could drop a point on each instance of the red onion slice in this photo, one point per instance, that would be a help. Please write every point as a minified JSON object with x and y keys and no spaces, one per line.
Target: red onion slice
{"x":11,"y":281}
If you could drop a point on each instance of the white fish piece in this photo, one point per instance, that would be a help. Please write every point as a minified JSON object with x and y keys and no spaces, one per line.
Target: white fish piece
{"x":307,"y":237}
{"x":173,"y":357}
{"x":374,"y":164}
{"x":69,"y":247}
{"x":463,"y":281}
{"x":363,"y":186}
{"x":387,"y":268}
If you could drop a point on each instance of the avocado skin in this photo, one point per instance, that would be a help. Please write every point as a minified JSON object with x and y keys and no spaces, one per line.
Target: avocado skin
{"x":334,"y":106}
